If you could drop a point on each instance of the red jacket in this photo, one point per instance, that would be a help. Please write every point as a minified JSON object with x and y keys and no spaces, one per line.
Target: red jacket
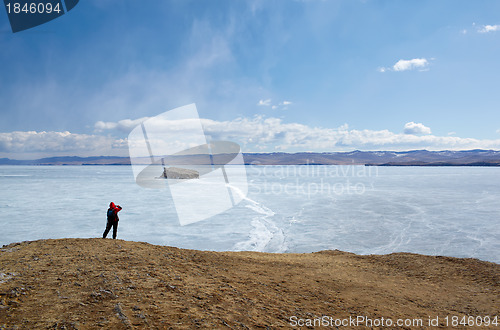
{"x":115,"y":208}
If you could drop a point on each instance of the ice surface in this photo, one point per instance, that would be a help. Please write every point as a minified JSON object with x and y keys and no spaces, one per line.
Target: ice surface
{"x":453,"y":211}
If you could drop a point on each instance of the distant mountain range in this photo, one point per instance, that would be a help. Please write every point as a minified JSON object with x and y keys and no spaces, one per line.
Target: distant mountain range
{"x":370,"y":158}
{"x":69,"y":160}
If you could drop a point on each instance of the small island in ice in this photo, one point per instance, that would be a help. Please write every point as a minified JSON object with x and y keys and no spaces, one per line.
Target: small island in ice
{"x":179,"y":173}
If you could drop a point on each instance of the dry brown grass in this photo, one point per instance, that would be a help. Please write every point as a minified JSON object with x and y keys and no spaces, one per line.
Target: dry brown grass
{"x":92,"y":283}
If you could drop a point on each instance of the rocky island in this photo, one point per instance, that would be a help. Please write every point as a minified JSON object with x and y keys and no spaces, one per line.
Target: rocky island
{"x":180,"y":173}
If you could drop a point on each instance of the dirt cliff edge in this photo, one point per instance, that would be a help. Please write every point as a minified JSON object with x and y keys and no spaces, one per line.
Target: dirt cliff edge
{"x":92,"y":283}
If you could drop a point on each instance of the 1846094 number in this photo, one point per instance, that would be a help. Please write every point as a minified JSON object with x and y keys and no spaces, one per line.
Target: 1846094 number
{"x":32,"y":8}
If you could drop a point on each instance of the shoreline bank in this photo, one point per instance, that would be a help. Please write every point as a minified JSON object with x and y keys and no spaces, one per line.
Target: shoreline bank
{"x":121,"y":284}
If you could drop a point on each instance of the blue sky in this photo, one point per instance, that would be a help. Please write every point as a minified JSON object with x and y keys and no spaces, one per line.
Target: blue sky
{"x":272,"y":75}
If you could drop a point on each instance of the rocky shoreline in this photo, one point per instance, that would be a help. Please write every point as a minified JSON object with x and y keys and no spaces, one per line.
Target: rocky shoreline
{"x":104,"y":283}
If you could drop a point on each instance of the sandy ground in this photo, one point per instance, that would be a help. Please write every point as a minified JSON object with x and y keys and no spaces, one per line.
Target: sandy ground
{"x":115,"y":284}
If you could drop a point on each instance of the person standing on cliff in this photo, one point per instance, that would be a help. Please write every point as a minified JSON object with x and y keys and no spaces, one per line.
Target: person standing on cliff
{"x":112,"y":219}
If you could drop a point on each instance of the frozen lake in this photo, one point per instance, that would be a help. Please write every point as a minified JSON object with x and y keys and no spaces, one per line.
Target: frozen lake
{"x":452,"y":211}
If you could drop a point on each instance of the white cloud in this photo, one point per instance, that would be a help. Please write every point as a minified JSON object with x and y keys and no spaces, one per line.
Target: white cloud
{"x":489,"y":28}
{"x":405,"y":65}
{"x":32,"y":142}
{"x":256,"y":134}
{"x":264,"y":102}
{"x":125,"y":125}
{"x":268,"y":134}
{"x":268,"y":103}
{"x":416,"y":128}
{"x":102,"y":126}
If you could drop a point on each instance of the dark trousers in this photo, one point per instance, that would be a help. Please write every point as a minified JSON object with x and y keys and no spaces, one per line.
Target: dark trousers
{"x":114,"y":224}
